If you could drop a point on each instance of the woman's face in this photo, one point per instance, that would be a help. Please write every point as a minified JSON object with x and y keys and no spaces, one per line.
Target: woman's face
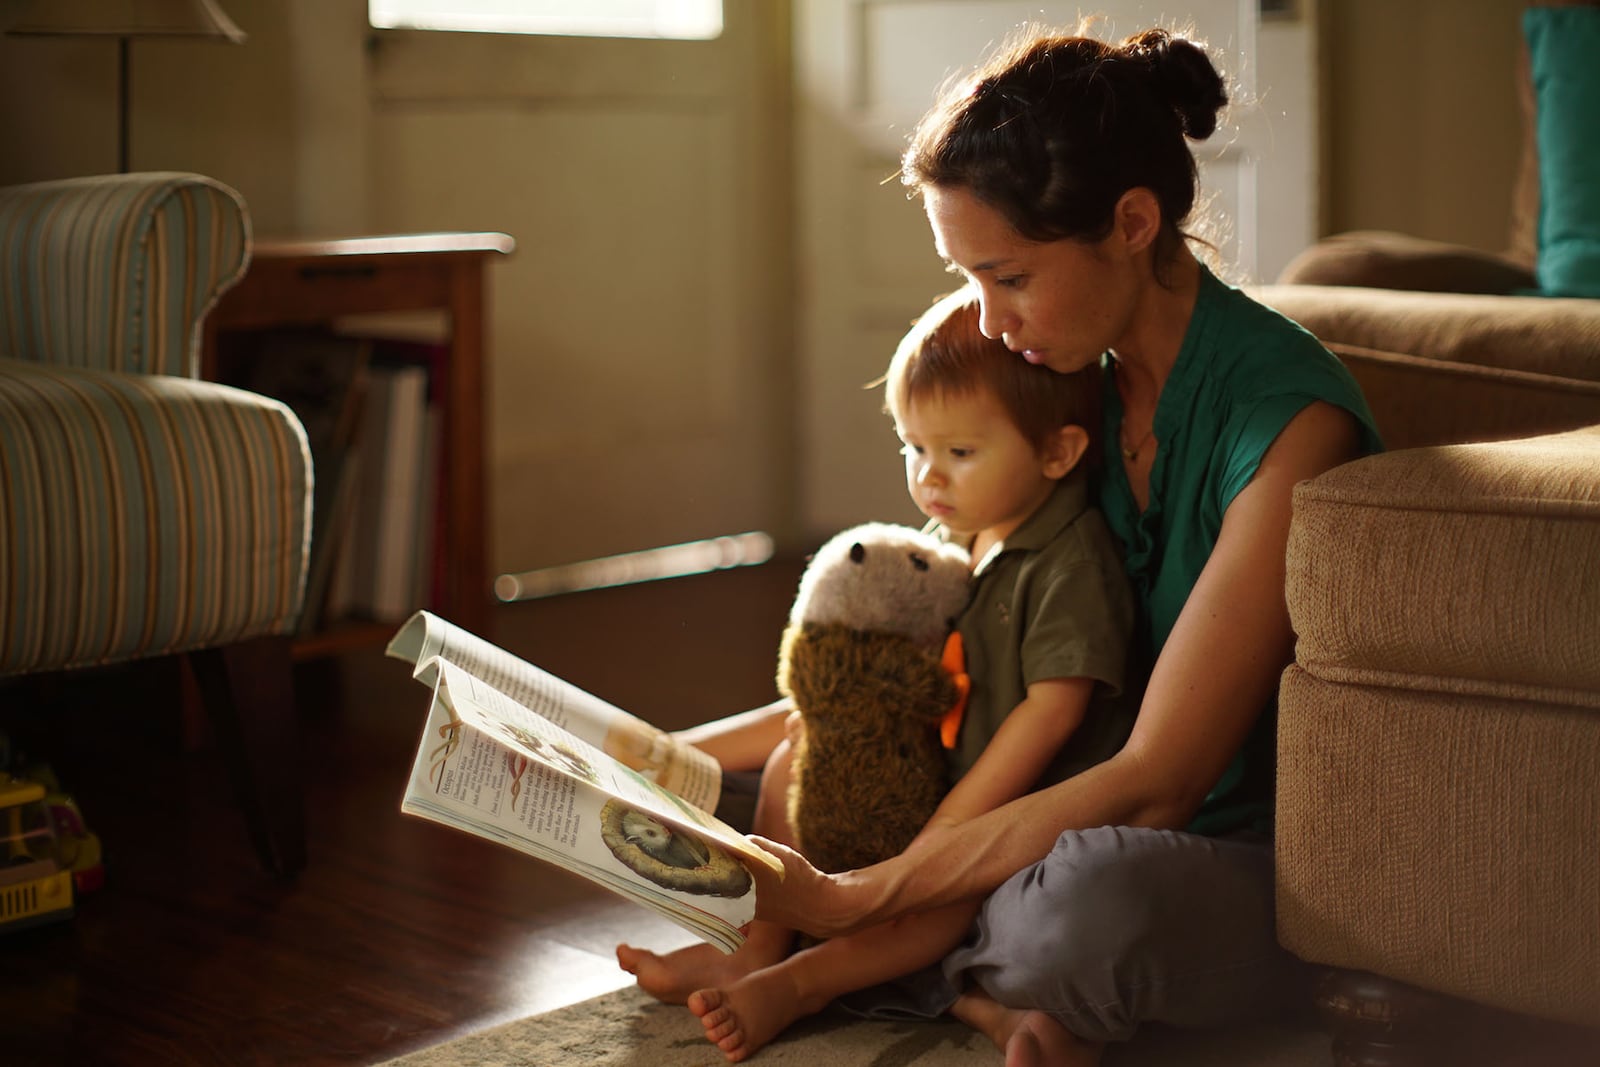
{"x":1057,"y":303}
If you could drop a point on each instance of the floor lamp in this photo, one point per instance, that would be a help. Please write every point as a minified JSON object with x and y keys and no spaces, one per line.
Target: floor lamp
{"x":124,"y":20}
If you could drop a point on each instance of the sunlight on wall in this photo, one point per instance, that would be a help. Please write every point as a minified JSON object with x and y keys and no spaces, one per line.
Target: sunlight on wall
{"x":649,"y":565}
{"x":699,"y":20}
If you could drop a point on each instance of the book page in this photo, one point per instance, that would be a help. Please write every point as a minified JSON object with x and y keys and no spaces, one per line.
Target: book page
{"x":537,"y":740}
{"x":682,"y":769}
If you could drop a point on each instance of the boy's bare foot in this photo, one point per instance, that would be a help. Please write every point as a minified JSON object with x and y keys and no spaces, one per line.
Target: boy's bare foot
{"x":1028,"y":1038}
{"x":742,"y":1017}
{"x":672,"y":977}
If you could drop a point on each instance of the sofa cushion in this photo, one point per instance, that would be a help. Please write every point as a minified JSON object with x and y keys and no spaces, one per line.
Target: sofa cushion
{"x":1469,"y":569}
{"x":1420,"y":402}
{"x":1380,"y":259}
{"x":1562,"y":45}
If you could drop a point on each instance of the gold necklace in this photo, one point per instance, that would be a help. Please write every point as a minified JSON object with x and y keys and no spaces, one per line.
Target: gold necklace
{"x":1132,"y":453}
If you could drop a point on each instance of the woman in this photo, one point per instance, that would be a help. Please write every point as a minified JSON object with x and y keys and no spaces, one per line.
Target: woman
{"x":1057,"y":181}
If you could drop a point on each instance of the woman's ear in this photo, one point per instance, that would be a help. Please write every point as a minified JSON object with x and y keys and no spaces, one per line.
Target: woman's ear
{"x":1137,"y":218}
{"x":1062,"y":451}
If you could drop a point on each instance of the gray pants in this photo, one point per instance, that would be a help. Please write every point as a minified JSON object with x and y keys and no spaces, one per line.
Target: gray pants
{"x":1120,"y":926}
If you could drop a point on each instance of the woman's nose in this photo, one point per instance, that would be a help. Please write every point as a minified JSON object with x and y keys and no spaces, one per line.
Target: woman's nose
{"x":993,"y":318}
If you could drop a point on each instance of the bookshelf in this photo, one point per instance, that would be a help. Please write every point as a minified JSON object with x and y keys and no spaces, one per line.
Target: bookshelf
{"x":306,"y":283}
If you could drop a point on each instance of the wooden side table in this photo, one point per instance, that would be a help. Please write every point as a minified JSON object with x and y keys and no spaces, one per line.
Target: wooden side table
{"x":313,"y":282}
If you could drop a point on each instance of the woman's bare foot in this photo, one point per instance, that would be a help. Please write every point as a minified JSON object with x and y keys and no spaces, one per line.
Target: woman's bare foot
{"x":742,"y":1017}
{"x":672,"y":977}
{"x":1028,"y":1038}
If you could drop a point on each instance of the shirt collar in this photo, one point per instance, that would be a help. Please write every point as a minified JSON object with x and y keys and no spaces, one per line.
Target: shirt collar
{"x":1060,"y":509}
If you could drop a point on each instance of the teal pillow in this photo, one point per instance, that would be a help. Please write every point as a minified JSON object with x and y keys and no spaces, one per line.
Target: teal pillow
{"x":1564,"y":56}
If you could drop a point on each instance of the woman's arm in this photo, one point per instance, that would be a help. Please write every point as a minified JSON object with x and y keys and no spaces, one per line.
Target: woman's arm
{"x":741,"y":742}
{"x":1226,"y":654}
{"x":1216,"y":671}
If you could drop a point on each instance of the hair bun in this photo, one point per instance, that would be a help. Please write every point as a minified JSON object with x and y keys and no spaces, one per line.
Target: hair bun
{"x":1185,"y":75}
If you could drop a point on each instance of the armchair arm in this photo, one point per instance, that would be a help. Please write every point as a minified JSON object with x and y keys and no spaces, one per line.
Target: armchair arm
{"x":116,"y":272}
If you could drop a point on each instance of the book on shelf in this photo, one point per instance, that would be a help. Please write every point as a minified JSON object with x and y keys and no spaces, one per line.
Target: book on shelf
{"x":515,"y":755}
{"x":397,"y":561}
{"x":393,"y":450}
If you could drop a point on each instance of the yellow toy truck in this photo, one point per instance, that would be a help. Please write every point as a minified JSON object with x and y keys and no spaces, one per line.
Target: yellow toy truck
{"x":35,"y":887}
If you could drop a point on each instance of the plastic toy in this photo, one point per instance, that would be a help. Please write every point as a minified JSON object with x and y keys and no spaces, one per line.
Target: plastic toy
{"x":35,"y":886}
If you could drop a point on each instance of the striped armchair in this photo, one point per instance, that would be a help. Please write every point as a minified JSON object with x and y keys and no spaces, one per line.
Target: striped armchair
{"x":144,"y":512}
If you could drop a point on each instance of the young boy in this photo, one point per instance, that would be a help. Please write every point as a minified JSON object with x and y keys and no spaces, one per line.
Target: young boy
{"x":995,"y":455}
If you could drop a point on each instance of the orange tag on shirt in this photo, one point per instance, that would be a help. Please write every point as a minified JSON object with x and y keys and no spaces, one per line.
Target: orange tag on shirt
{"x":954,"y":661}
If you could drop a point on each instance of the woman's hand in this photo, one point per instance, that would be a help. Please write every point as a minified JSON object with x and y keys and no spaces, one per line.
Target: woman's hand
{"x":806,"y":899}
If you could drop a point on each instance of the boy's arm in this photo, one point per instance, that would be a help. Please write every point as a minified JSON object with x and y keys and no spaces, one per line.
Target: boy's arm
{"x":1018,"y":753}
{"x":741,"y":742}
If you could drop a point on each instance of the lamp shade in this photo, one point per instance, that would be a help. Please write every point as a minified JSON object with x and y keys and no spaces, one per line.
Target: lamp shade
{"x":125,"y":18}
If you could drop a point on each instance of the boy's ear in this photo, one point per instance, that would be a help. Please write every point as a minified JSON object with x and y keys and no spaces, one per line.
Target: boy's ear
{"x":1064,"y":449}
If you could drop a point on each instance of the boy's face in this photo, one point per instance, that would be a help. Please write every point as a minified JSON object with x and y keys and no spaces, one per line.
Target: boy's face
{"x":970,"y":468}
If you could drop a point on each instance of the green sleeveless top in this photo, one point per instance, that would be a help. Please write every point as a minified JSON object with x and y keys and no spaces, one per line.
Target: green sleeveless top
{"x":1243,"y":373}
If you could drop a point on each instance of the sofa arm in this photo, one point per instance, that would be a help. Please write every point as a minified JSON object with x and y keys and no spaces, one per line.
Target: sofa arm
{"x":1439,"y":731}
{"x":144,"y":515}
{"x":1556,"y":336}
{"x":116,"y":272}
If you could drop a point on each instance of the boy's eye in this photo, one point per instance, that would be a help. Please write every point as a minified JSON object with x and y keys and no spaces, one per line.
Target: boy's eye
{"x":911,"y":450}
{"x":1011,"y":281}
{"x":961,"y":453}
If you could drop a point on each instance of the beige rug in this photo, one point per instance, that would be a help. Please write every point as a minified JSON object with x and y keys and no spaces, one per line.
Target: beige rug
{"x":628,"y":1029}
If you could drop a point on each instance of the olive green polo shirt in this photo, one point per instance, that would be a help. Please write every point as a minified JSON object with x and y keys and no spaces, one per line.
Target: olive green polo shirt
{"x":1050,"y":601}
{"x":1243,"y":372}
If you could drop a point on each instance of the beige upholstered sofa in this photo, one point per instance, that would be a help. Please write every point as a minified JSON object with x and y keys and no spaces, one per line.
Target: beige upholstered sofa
{"x":1438,"y":833}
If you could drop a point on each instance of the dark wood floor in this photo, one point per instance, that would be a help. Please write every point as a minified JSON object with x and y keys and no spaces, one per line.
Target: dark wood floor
{"x":399,"y":934}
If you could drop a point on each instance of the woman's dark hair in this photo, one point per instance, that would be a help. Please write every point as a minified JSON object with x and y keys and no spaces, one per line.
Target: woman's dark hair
{"x":1051,"y":131}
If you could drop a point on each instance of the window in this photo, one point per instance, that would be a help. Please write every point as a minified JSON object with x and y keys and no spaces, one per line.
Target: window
{"x":678,"y":19}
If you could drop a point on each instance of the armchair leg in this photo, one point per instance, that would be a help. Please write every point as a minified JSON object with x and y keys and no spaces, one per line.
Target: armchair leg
{"x":1379,"y":1022}
{"x":248,"y":692}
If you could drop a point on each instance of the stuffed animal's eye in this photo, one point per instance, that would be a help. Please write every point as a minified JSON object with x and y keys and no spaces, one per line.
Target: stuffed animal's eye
{"x":918,"y":562}
{"x":858,"y":552}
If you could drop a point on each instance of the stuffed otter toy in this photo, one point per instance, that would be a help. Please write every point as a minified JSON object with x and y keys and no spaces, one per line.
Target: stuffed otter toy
{"x":861,"y":659}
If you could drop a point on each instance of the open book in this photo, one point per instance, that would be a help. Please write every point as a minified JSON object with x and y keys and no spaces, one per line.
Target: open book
{"x":515,"y":755}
